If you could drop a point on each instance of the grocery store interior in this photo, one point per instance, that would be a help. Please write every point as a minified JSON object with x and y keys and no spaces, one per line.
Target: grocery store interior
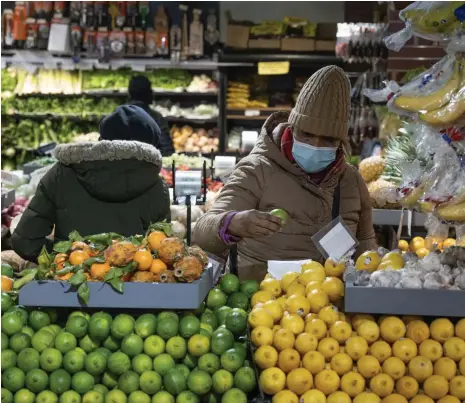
{"x":231,"y":202}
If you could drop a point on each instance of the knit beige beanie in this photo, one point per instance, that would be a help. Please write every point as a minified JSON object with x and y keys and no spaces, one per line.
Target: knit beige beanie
{"x":323,"y":105}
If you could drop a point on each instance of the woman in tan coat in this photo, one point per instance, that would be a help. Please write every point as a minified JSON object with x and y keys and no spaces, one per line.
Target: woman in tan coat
{"x":297,"y":165}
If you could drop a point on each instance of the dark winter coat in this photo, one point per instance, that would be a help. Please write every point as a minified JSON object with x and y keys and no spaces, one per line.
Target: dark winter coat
{"x":108,"y":186}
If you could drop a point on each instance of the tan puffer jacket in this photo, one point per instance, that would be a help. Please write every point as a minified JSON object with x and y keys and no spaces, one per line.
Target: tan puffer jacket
{"x":266,"y":180}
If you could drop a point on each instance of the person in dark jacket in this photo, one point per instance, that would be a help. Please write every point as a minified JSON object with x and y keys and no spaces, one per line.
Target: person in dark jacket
{"x":108,"y":186}
{"x":141,"y":94}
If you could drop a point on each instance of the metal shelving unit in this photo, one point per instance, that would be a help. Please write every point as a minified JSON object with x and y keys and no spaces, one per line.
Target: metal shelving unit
{"x":392,"y":218}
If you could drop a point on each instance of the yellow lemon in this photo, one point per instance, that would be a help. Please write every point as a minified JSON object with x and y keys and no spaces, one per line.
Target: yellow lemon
{"x":285,"y":396}
{"x":318,"y":299}
{"x":329,"y":314}
{"x":334,"y":288}
{"x":310,"y":317}
{"x":367,"y":397}
{"x":369,"y":260}
{"x":334,"y":268}
{"x":328,"y":347}
{"x":294,"y":323}
{"x":314,"y":362}
{"x":272,"y":381}
{"x":305,"y":342}
{"x":448,"y":399}
{"x":422,"y":399}
{"x":405,"y":349}
{"x":338,"y":397}
{"x":460,"y":329}
{"x":454,"y":348}
{"x":287,"y":279}
{"x":392,"y":329}
{"x":392,"y":260}
{"x":283,"y":338}
{"x":382,"y":385}
{"x":327,"y":381}
{"x":282,"y":302}
{"x":260,"y":317}
{"x":447,"y":243}
{"x":418,"y":331}
{"x":368,"y":366}
{"x":420,"y":368}
{"x":313,"y":396}
{"x":262,"y":336}
{"x":462,"y":366}
{"x":297,"y":304}
{"x":410,"y":318}
{"x":394,"y":367}
{"x":274,"y":309}
{"x":311,"y":275}
{"x":260,"y":297}
{"x":296,"y":289}
{"x":356,"y":347}
{"x":312,"y":265}
{"x":341,"y":363}
{"x":380,"y":350}
{"x":403,"y":245}
{"x":341,"y":331}
{"x":288,"y":359}
{"x":445,"y":367}
{"x":276,"y":328}
{"x":431,"y":349}
{"x":299,"y":381}
{"x":417,"y":243}
{"x":353,"y":383}
{"x":394,"y":398}
{"x":457,"y":387}
{"x":422,"y":252}
{"x":369,"y":330}
{"x":317,"y":328}
{"x":359,"y":318}
{"x":265,"y":357}
{"x":271,"y":285}
{"x":436,"y":386}
{"x":407,"y":387}
{"x":313,"y":285}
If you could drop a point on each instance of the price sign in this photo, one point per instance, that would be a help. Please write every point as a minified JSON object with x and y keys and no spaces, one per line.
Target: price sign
{"x":188,"y":183}
{"x":251,"y":112}
{"x":224,"y":165}
{"x":249,"y":138}
{"x":273,"y":68}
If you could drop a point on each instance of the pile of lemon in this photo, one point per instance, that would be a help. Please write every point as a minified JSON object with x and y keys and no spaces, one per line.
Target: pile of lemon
{"x":422,"y":246}
{"x":308,"y":351}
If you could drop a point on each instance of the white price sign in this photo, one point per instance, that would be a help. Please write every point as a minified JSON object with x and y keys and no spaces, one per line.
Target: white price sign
{"x":249,"y":138}
{"x":251,"y":112}
{"x":188,"y":183}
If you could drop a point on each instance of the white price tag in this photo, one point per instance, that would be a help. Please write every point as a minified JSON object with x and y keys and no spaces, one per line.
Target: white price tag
{"x":249,"y":138}
{"x":251,"y":112}
{"x":188,"y":183}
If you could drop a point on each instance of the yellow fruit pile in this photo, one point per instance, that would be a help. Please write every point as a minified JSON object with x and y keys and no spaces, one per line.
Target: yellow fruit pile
{"x":309,"y":352}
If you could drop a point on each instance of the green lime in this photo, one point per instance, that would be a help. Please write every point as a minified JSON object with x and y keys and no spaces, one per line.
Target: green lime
{"x":154,"y":345}
{"x":93,"y":396}
{"x":65,"y":341}
{"x":236,"y":322}
{"x":211,"y":398}
{"x":241,"y":348}
{"x":13,"y":379}
{"x":47,"y":396}
{"x":190,"y":361}
{"x":278,"y":212}
{"x":222,"y":340}
{"x":221,"y":314}
{"x":118,"y":363}
{"x":24,"y":396}
{"x":184,"y":369}
{"x":85,"y":315}
{"x":88,"y":344}
{"x":142,"y":363}
{"x":174,"y":382}
{"x":100,"y":326}
{"x":42,"y":339}
{"x":5,"y":341}
{"x":122,"y":325}
{"x":150,"y":382}
{"x":28,"y":330}
{"x":146,"y":325}
{"x":116,"y":396}
{"x":216,"y":299}
{"x":104,"y":351}
{"x":188,"y":326}
{"x":112,"y":343}
{"x":232,"y":360}
{"x":7,"y":270}
{"x":82,"y":382}
{"x":132,"y":345}
{"x":229,"y":283}
{"x":7,"y":301}
{"x":95,"y":363}
{"x":73,"y":361}
{"x":163,"y":397}
{"x":12,"y":322}
{"x":168,"y":315}
{"x":209,"y":318}
{"x":234,"y":395}
{"x":77,"y":325}
{"x":38,"y":320}
{"x":36,"y":380}
{"x":54,"y":329}
{"x":101,"y":388}
{"x":9,"y":359}
{"x":52,"y":313}
{"x":70,"y":396}
{"x":128,"y":382}
{"x":199,"y":382}
{"x":201,"y":309}
{"x":222,"y":381}
{"x":187,"y":396}
{"x":110,"y":380}
{"x":50,"y":359}
{"x":206,"y":328}
{"x":176,"y":347}
{"x":245,"y":380}
{"x":20,"y":311}
{"x":209,"y":363}
{"x":167,"y":328}
{"x":139,"y":397}
{"x":60,"y":381}
{"x":20,"y":341}
{"x":250,"y":287}
{"x":198,"y":345}
{"x":27,"y":359}
{"x":7,"y":396}
{"x":238,"y":300}
{"x":163,"y":363}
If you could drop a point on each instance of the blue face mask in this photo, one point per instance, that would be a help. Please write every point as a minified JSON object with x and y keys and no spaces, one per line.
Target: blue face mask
{"x":313,"y":159}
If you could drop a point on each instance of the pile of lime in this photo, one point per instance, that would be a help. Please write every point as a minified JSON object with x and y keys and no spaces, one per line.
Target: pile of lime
{"x":159,"y":357}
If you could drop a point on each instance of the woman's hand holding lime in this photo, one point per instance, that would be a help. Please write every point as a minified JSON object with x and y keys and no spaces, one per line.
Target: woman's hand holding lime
{"x":254,"y":224}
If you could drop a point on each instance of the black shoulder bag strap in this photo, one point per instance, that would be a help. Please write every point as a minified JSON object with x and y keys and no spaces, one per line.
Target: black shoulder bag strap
{"x":336,"y":201}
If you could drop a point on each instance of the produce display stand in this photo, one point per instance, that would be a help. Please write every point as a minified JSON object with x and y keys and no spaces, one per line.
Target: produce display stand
{"x":393,"y":217}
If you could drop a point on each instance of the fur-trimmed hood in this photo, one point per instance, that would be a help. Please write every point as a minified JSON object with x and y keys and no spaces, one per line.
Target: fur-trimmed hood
{"x":112,"y":171}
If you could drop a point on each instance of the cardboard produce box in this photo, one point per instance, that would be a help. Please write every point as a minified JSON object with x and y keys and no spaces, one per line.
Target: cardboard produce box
{"x":325,"y":46}
{"x":264,"y":43}
{"x":237,"y":36}
{"x":298,"y":44}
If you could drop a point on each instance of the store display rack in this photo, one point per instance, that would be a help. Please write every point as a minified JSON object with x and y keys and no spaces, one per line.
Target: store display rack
{"x":392,"y":218}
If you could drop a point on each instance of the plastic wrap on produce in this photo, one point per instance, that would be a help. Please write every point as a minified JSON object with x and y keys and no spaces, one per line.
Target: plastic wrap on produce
{"x":413,"y":186}
{"x":438,"y":21}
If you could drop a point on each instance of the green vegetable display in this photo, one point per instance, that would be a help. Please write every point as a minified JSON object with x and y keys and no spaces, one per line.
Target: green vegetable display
{"x":8,"y":79}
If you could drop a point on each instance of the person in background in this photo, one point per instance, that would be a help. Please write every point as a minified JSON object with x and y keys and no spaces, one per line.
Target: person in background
{"x":297,"y":165}
{"x":141,"y":94}
{"x":108,"y":186}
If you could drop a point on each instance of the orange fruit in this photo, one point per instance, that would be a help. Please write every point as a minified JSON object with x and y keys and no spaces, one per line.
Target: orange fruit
{"x":64,"y":277}
{"x":78,"y":257}
{"x":7,"y":284}
{"x":60,"y":258}
{"x":155,"y":239}
{"x":98,"y":270}
{"x":79,"y":245}
{"x":144,"y":259}
{"x":158,"y":266}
